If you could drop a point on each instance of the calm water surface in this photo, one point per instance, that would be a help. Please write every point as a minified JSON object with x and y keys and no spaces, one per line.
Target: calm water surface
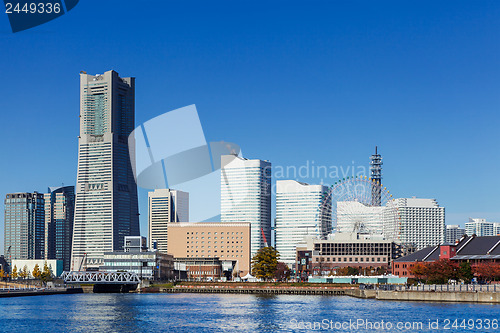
{"x":231,"y":313}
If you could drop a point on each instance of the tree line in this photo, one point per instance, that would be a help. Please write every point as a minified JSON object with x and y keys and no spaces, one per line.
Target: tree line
{"x":444,"y":270}
{"x":24,"y":273}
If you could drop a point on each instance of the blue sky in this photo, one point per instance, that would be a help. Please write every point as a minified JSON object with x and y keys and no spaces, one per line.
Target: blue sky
{"x":289,"y":81}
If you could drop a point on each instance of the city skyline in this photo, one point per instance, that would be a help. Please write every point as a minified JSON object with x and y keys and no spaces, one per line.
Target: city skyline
{"x":430,"y":81}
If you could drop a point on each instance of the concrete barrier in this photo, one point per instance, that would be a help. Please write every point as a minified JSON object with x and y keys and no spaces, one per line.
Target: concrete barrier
{"x":437,"y":296}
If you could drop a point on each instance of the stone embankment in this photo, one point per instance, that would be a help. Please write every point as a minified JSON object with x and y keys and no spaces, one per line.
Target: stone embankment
{"x":17,"y":292}
{"x":389,"y":295}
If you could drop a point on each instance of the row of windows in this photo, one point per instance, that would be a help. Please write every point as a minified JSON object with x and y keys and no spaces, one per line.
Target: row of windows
{"x":353,"y":259}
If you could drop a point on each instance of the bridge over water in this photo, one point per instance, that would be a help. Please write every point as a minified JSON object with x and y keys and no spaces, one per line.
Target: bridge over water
{"x":103,"y":281}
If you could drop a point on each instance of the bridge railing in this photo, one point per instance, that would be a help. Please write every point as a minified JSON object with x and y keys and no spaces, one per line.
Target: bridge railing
{"x":100,"y":277}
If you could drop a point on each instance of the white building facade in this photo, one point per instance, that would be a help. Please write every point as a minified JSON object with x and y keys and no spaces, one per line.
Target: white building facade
{"x":301,"y":210}
{"x":353,"y":216}
{"x":480,"y":227}
{"x":246,"y":196}
{"x":421,"y":222}
{"x":165,"y":206}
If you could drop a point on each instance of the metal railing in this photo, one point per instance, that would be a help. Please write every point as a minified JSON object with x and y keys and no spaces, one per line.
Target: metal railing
{"x":101,"y":277}
{"x":441,"y":287}
{"x":20,"y":288}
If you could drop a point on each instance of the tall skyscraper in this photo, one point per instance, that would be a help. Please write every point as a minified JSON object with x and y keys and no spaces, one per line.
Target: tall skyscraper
{"x":479,"y":227}
{"x":24,"y":226}
{"x":106,"y":208}
{"x":422,"y":222}
{"x":59,"y":214}
{"x":246,"y":196}
{"x":301,"y":210}
{"x":454,"y":233}
{"x":165,"y":206}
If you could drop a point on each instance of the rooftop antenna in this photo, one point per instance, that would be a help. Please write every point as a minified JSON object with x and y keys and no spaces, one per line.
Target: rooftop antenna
{"x":376,"y":177}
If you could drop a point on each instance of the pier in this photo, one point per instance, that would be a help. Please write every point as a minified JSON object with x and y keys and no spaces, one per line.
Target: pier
{"x":18,"y":292}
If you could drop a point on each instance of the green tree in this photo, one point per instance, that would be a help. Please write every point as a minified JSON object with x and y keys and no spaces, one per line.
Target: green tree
{"x":265,"y":262}
{"x":46,"y":273}
{"x":23,"y":273}
{"x":347,"y":271}
{"x":465,"y":272}
{"x":36,"y":272}
{"x":14,"y":274}
{"x":487,"y":271}
{"x":419,"y":270}
{"x":282,"y":272}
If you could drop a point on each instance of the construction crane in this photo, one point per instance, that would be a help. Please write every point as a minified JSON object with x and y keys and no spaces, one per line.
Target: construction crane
{"x":81,"y":263}
{"x":264,"y":236}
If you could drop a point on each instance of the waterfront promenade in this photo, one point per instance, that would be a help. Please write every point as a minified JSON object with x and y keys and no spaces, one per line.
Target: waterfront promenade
{"x":35,"y":291}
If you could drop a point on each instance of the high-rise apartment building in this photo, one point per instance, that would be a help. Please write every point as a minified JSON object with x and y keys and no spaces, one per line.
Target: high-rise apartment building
{"x":165,"y":206}
{"x":106,"y":208}
{"x":454,"y":233}
{"x":59,"y":214}
{"x":479,"y":227}
{"x":421,"y":222}
{"x":24,"y":226}
{"x":301,"y":210}
{"x":246,"y":196}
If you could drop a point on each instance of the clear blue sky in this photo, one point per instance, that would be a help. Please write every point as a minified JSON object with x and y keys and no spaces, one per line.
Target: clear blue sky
{"x":289,"y":81}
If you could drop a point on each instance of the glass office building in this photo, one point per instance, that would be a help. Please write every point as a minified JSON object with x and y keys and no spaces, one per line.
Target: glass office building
{"x":106,"y":208}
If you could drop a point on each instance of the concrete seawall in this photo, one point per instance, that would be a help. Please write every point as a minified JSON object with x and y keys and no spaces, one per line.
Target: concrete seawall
{"x":423,"y":296}
{"x":52,"y":291}
{"x":269,"y":291}
{"x":429,"y":296}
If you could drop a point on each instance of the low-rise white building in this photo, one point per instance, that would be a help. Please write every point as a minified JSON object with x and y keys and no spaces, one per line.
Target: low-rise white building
{"x":55,"y":266}
{"x":480,"y":227}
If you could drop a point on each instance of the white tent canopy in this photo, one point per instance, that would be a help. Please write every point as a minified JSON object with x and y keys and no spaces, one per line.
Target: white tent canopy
{"x":250,"y":278}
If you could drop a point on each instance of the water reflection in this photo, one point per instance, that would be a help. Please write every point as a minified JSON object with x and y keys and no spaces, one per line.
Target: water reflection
{"x":212,"y":312}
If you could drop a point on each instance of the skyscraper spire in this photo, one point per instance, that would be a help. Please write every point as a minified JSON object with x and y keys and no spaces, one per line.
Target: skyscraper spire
{"x":376,"y":177}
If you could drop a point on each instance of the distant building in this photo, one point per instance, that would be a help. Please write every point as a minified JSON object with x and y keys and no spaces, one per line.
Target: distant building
{"x":136,"y":258}
{"x":24,"y":226}
{"x":471,"y":249}
{"x":165,"y":206}
{"x":422,"y":222}
{"x":322,"y":257}
{"x":479,"y":227}
{"x":227,"y":242}
{"x":454,"y":233}
{"x":354,"y":216}
{"x":246,"y":196}
{"x":4,"y":265}
{"x":106,"y":208}
{"x":203,"y":268}
{"x":59,"y":214}
{"x":301,"y":210}
{"x":55,"y":266}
